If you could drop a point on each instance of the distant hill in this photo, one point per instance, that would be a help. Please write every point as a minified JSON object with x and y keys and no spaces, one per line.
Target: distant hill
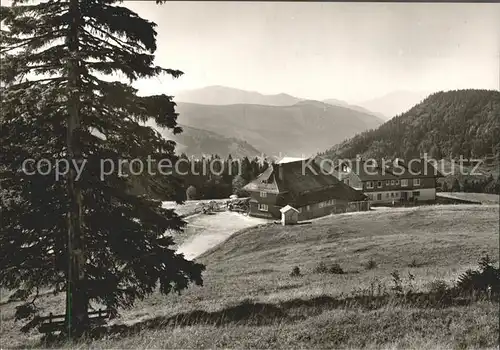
{"x":222,"y":95}
{"x":304,"y":128}
{"x":341,"y":103}
{"x":197,"y":142}
{"x":394,"y":103}
{"x":445,"y":124}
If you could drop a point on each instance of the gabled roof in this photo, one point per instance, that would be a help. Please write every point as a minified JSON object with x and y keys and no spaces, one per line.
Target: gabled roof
{"x":290,"y":160}
{"x":288,"y":208}
{"x":266,"y":181}
{"x":303,"y":183}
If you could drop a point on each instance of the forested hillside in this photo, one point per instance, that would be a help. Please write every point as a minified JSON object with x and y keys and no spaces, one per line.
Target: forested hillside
{"x":198,"y":142}
{"x":445,"y":125}
{"x":211,"y":177}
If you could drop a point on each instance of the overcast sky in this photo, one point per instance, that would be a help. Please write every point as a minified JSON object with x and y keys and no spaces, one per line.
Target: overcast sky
{"x":348,"y":51}
{"x":326,"y":50}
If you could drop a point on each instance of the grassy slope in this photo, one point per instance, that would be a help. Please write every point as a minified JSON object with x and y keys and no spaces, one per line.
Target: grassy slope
{"x":484,"y":198}
{"x":255,"y":264}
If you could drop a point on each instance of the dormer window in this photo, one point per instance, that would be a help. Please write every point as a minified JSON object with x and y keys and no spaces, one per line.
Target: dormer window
{"x":263,"y":194}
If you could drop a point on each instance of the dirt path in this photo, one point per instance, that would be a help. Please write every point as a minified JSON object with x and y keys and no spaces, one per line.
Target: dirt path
{"x":206,"y":231}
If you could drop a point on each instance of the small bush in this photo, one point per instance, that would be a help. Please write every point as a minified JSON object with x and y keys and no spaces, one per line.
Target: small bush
{"x":295,"y":272}
{"x":486,"y":279}
{"x":191,"y":193}
{"x":333,"y":269}
{"x":438,"y":287}
{"x":398,"y":283}
{"x":439,"y":292}
{"x":414,"y":263}
{"x":336,"y":269}
{"x":320,"y":268}
{"x":370,"y":264}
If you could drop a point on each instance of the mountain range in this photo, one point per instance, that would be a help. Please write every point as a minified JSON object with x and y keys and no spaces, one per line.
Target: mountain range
{"x":384,"y":107}
{"x":243,"y":123}
{"x":222,"y":95}
{"x":340,"y":103}
{"x":303,"y":128}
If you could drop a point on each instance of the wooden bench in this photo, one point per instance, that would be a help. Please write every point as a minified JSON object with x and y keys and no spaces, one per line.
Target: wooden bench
{"x":54,"y":323}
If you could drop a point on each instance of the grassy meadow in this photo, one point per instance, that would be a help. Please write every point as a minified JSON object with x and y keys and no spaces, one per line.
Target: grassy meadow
{"x":484,"y":198}
{"x":250,"y":300}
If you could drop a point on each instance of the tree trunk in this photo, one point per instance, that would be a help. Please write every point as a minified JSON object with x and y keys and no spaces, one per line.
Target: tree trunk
{"x":77,"y":301}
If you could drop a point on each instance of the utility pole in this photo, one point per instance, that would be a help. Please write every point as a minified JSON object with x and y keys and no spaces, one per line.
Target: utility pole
{"x":77,"y":301}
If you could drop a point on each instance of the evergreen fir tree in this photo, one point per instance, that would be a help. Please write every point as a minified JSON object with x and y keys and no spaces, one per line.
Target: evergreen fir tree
{"x":86,"y":236}
{"x":246,"y":169}
{"x":238,"y":183}
{"x":445,"y":187}
{"x":456,"y":186}
{"x":466,"y":186}
{"x":191,"y":193}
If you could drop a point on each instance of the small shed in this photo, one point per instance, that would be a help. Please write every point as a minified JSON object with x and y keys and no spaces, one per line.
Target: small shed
{"x":289,"y":215}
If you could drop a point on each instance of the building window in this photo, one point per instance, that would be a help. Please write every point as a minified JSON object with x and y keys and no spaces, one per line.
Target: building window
{"x":397,"y":182}
{"x":387,"y":195}
{"x":263,"y":194}
{"x":397,"y":194}
{"x":393,"y":182}
{"x":369,"y":184}
{"x":416,"y":193}
{"x":392,"y":195}
{"x":416,"y":182}
{"x":327,"y":203}
{"x":308,"y":207}
{"x":404,"y":183}
{"x":379,"y":196}
{"x":388,"y":182}
{"x":379,"y":184}
{"x":263,"y":207}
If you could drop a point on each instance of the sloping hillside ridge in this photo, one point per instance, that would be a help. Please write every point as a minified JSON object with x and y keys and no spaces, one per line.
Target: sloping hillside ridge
{"x":445,"y":124}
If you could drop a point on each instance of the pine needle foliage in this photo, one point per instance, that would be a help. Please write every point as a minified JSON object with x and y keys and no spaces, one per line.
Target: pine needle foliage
{"x":61,"y":58}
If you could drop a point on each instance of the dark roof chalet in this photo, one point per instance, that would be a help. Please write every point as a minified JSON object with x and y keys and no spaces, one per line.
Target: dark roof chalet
{"x":302,"y":183}
{"x":266,"y":181}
